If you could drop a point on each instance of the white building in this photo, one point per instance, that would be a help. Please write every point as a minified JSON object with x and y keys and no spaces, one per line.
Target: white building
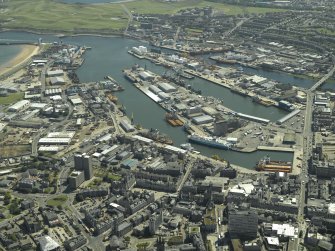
{"x":19,"y":106}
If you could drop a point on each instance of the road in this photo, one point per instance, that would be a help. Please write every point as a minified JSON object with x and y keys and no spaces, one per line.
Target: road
{"x":130,"y":17}
{"x":228,"y":33}
{"x":307,"y":152}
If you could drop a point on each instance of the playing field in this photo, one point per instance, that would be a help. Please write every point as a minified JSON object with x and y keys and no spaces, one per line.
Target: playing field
{"x":49,"y":15}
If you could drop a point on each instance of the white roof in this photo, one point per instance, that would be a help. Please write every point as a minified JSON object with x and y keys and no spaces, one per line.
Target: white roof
{"x":76,"y":101}
{"x":285,"y":230}
{"x":273,"y":241}
{"x":54,"y":141}
{"x":331,"y":208}
{"x":140,"y":138}
{"x":18,"y":105}
{"x":48,"y":148}
{"x":47,"y":243}
{"x":60,"y":134}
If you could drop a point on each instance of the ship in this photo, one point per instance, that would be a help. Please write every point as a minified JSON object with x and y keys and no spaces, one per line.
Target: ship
{"x":156,"y":135}
{"x":187,"y":146}
{"x":173,"y":119}
{"x":186,"y":75}
{"x":266,"y":164}
{"x":187,"y":128}
{"x":210,"y":141}
{"x":240,"y":92}
{"x":115,"y":85}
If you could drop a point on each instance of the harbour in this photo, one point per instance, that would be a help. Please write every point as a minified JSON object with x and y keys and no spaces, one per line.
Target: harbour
{"x":97,"y":65}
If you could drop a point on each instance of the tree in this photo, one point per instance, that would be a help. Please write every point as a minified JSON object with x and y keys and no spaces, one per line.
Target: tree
{"x":7,"y":198}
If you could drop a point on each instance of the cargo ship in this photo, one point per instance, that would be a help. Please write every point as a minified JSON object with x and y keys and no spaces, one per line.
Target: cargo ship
{"x":173,"y":119}
{"x":266,"y":164}
{"x":210,"y":141}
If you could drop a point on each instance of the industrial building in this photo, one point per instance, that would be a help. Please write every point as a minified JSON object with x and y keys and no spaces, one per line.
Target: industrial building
{"x":19,"y":106}
{"x":204,"y":119}
{"x":253,"y":118}
{"x":126,"y":126}
{"x":54,"y":141}
{"x":288,"y":116}
{"x":165,"y":87}
{"x":55,"y":73}
{"x":57,"y":81}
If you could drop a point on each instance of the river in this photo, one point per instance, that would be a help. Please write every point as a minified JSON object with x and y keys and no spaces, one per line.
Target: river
{"x":109,"y":56}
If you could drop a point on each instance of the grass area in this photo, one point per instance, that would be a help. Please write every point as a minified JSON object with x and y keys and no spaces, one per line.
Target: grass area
{"x":7,"y":151}
{"x":57,"y":201}
{"x":326,"y":31}
{"x":79,"y":18}
{"x":11,"y":98}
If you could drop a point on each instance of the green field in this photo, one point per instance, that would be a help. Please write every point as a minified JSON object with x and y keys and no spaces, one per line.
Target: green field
{"x":49,"y":15}
{"x":11,"y":98}
{"x":57,"y":201}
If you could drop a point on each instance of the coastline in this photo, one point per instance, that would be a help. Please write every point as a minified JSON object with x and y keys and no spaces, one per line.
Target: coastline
{"x":26,"y":52}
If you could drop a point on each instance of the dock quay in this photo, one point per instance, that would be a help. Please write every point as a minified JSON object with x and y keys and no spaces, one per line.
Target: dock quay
{"x":275,"y":148}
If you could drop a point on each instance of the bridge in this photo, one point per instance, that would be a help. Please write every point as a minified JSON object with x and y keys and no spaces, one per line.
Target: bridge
{"x":325,"y":78}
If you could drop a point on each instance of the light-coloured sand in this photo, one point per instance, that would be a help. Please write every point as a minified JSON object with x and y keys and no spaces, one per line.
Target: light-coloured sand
{"x":27,"y":51}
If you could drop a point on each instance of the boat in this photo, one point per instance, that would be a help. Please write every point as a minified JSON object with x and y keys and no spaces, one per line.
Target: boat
{"x":210,"y":141}
{"x":266,"y":164}
{"x":156,"y":135}
{"x":173,"y":119}
{"x":187,"y":146}
{"x":240,"y":92}
{"x":186,"y":75}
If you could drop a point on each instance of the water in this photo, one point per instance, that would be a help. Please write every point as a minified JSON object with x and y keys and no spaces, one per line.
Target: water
{"x":7,"y":53}
{"x":109,"y":56}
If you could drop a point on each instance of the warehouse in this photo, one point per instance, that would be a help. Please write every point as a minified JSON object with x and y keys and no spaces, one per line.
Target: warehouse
{"x":253,"y":118}
{"x":60,"y":134}
{"x":55,"y":73}
{"x":164,"y":96}
{"x":288,"y":116}
{"x":53,"y":91}
{"x":204,"y":119}
{"x":145,"y":75}
{"x":209,"y":111}
{"x":54,"y":141}
{"x":19,"y":106}
{"x":57,"y":81}
{"x":49,"y":149}
{"x":154,"y":89}
{"x":126,"y":126}
{"x":165,"y":87}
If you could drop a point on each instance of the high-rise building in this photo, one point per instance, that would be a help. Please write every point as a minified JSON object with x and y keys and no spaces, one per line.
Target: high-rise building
{"x":154,"y":222}
{"x":75,"y":179}
{"x":84,"y":162}
{"x":243,"y":224}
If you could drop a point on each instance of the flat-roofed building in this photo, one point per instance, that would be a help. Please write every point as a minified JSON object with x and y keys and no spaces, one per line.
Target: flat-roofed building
{"x":75,"y":179}
{"x":19,"y":106}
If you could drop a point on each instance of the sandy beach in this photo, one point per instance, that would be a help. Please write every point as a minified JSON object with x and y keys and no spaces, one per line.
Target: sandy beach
{"x":27,"y":51}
